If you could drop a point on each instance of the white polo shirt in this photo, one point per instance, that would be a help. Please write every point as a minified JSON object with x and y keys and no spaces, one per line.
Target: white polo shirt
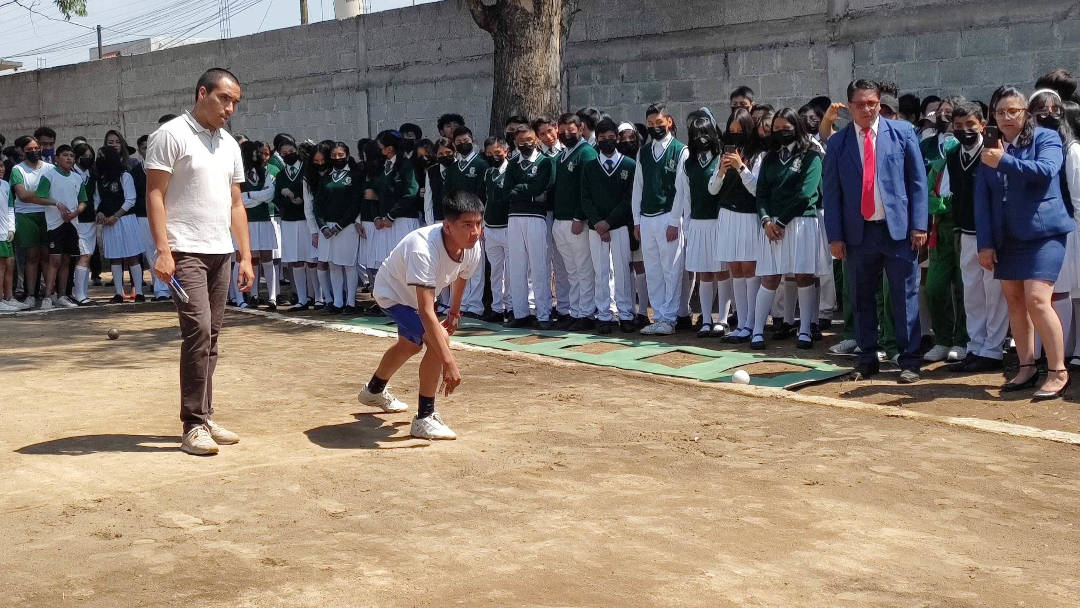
{"x":421,"y":260}
{"x":204,"y":166}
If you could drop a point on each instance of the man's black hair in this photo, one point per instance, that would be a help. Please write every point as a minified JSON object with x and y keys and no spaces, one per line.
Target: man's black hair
{"x":495,"y":140}
{"x":860,"y":84}
{"x":516,"y":118}
{"x":460,"y":202}
{"x":142,"y":139}
{"x":462,"y":130}
{"x":590,"y":116}
{"x":909,"y":104}
{"x":408,"y":127}
{"x":164,"y":118}
{"x":969,"y":108}
{"x":44,"y":132}
{"x":446,"y":119}
{"x":569,"y":118}
{"x":64,"y":148}
{"x":606,"y":125}
{"x":657,"y":108}
{"x":929,"y":99}
{"x":743,"y":91}
{"x":212,"y":78}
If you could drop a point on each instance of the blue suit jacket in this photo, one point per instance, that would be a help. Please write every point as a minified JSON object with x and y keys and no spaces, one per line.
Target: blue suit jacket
{"x":900,"y":175}
{"x":1030,"y":178}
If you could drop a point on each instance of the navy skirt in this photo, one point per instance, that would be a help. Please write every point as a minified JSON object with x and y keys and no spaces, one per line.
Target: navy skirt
{"x":1019,"y":260}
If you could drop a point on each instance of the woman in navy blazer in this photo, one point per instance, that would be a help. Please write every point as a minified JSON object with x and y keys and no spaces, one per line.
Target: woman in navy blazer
{"x":1021,"y":225}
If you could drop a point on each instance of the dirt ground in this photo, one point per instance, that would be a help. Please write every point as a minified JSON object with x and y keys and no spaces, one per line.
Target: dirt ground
{"x":569,"y":485}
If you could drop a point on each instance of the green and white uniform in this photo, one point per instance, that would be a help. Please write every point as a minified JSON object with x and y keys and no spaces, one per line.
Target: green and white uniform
{"x":30,"y":224}
{"x":7,"y":220}
{"x":944,"y":284}
{"x":606,"y":189}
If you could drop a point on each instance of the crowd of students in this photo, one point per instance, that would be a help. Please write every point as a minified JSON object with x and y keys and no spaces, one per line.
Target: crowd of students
{"x":590,"y":221}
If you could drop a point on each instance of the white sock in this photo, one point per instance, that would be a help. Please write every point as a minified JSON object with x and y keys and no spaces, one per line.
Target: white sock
{"x":299,"y":275}
{"x":807,"y":302}
{"x":706,"y":295}
{"x":270,"y":272}
{"x":234,"y":289}
{"x":337,"y":284}
{"x":312,"y":283}
{"x":753,"y":284}
{"x":352,"y":279}
{"x":723,"y":297}
{"x":257,"y":271}
{"x":815,"y":314}
{"x":136,"y":278}
{"x":642,"y":290}
{"x":325,"y":294}
{"x":118,"y":279}
{"x":791,"y":295}
{"x":81,"y":283}
{"x":739,"y":288}
{"x":764,"y":303}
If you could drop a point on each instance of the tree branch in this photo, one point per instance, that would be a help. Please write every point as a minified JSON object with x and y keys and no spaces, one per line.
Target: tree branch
{"x":486,"y":16}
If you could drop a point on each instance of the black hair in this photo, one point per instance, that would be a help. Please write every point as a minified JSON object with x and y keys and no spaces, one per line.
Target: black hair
{"x":969,"y":108}
{"x":701,"y":126}
{"x":542,"y":120}
{"x":642,"y":131}
{"x":820,"y":104}
{"x":606,"y":125}
{"x":212,"y":78}
{"x":590,"y":117}
{"x":63,"y":148}
{"x":81,"y":149}
{"x":522,"y":129}
{"x":802,"y":138}
{"x":446,"y":119}
{"x":77,"y":139}
{"x":372,"y":158}
{"x":460,"y":202}
{"x":24,"y":140}
{"x":142,"y":139}
{"x":408,"y":127}
{"x":442,"y":142}
{"x":1071,"y":115}
{"x":311,"y":171}
{"x":1027,"y":134}
{"x":515,"y":118}
{"x":495,"y":140}
{"x":888,"y":87}
{"x":1039,"y":102}
{"x":658,"y":108}
{"x":860,"y":84}
{"x":251,"y":154}
{"x":909,"y":104}
{"x":985,"y":108}
{"x":391,"y":139}
{"x":425,"y":144}
{"x":926,"y":101}
{"x":44,"y":132}
{"x":283,"y":138}
{"x":1061,"y":81}
{"x":164,"y":118}
{"x":124,"y":152}
{"x":110,"y":164}
{"x":743,"y":91}
{"x":462,"y":130}
{"x":569,"y":118}
{"x":763,"y":108}
{"x":747,"y":127}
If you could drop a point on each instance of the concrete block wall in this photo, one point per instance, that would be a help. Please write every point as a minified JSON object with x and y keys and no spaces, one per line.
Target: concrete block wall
{"x":350,"y":79}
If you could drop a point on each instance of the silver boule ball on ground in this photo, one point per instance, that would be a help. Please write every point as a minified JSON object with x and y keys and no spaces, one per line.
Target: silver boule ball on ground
{"x":114,"y":333}
{"x":740,"y":377}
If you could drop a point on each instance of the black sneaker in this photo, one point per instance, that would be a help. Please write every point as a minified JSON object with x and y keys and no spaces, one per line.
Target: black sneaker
{"x":604,"y":327}
{"x":628,"y":327}
{"x":117,"y":299}
{"x":815,"y":331}
{"x":348,"y":310}
{"x":140,"y":297}
{"x":522,"y":322}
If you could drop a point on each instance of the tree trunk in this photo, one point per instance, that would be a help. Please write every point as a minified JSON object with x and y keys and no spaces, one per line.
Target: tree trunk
{"x":526,"y":70}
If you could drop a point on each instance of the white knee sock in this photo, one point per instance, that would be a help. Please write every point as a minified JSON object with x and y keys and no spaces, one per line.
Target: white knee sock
{"x":764,"y":304}
{"x":325,"y":295}
{"x":352,"y":279}
{"x":642,"y":291}
{"x":299,"y":275}
{"x":118,"y":278}
{"x":257,"y":271}
{"x":312,"y":283}
{"x":791,"y":296}
{"x":739,"y":288}
{"x":81,"y":283}
{"x":816,"y":312}
{"x":753,"y":285}
{"x":337,"y":284}
{"x":723,"y":298}
{"x":807,"y":303}
{"x":270,"y":272}
{"x":136,"y":278}
{"x":706,"y":294}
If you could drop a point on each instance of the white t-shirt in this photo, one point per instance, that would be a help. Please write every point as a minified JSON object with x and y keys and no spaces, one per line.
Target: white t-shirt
{"x":23,"y":175}
{"x":204,"y":166}
{"x":7,"y":210}
{"x":64,"y":189}
{"x":421,"y":260}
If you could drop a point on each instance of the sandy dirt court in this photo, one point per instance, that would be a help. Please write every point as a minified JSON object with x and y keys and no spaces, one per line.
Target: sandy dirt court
{"x":570,"y":485}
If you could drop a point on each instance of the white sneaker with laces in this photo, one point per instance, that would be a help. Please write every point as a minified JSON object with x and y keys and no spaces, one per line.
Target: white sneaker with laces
{"x":17,"y":305}
{"x":198,"y":442}
{"x":29,"y":302}
{"x":663,"y":328}
{"x":66,"y":302}
{"x":384,"y":401}
{"x":46,"y":304}
{"x":650,"y":330}
{"x":5,"y":307}
{"x":431,"y":427}
{"x":957,"y":353}
{"x":844,"y":347}
{"x":938,"y":353}
{"x":220,"y":434}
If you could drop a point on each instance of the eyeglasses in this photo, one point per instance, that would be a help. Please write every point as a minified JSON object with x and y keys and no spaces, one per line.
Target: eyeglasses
{"x":1009,"y":113}
{"x":870,"y":105}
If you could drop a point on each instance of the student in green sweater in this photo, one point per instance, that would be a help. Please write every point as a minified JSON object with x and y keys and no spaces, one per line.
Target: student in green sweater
{"x":468,"y":174}
{"x":257,"y":193}
{"x":568,"y":229}
{"x":606,"y":187}
{"x":788,"y":191}
{"x":296,"y":248}
{"x":399,"y":197}
{"x":496,"y":218}
{"x":337,"y":214}
{"x":531,"y":176}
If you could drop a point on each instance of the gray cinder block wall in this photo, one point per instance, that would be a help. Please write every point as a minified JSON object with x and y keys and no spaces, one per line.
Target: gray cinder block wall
{"x":349,"y":79}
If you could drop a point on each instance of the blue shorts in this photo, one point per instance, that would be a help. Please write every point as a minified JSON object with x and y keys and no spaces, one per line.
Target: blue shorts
{"x":409,"y":325}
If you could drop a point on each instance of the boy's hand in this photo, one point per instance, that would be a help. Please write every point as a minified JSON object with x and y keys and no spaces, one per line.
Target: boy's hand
{"x":451,"y":322}
{"x":451,"y":377}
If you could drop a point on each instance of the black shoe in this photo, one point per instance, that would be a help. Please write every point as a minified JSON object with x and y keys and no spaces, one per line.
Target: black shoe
{"x":317,"y":306}
{"x":162,"y":298}
{"x":471,"y":315}
{"x":757,"y":344}
{"x":545,"y":325}
{"x":86,"y":302}
{"x":285,"y":281}
{"x":271,"y":305}
{"x":508,"y":317}
{"x":492,"y":317}
{"x":1074,"y":364}
{"x":734,"y":338}
{"x":782,"y":330}
{"x":117,"y":299}
{"x":1010,"y":387}
{"x":1047,"y":395}
{"x":522,"y":322}
{"x":974,"y":364}
{"x":583,"y":324}
{"x":908,"y":376}
{"x":299,"y":308}
{"x":862,"y":372}
{"x":805,"y":342}
{"x":348,"y":310}
{"x":331,"y":310}
{"x":824,"y":324}
{"x":140,"y":297}
{"x":815,"y":332}
{"x":642,"y":321}
{"x":604,"y":327}
{"x":627,"y":327}
{"x":684,"y":323}
{"x":97,"y":282}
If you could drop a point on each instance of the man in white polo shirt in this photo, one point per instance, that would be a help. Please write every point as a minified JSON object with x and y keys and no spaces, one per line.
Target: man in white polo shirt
{"x":193,"y":176}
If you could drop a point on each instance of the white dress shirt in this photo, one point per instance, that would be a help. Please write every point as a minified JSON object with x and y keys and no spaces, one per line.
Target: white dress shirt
{"x":860,"y":133}
{"x":657,"y":149}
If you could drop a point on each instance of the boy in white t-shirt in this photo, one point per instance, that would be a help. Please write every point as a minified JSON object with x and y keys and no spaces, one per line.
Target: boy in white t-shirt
{"x":8,"y":303}
{"x":424,"y":263}
{"x":62,"y":193}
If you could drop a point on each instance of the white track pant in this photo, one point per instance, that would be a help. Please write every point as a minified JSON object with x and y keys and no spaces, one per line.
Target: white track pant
{"x":574,"y":251}
{"x":473,"y":300}
{"x":558,"y":268}
{"x":497,"y":252}
{"x":612,"y":284}
{"x":663,"y":265}
{"x":984,"y":304}
{"x":527,"y":242}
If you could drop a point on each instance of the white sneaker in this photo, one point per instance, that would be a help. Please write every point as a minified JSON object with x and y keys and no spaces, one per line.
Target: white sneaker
{"x":938,"y":353}
{"x":17,"y":305}
{"x":431,"y":427}
{"x":46,"y":303}
{"x":29,"y":302}
{"x":220,"y":434}
{"x":663,"y":328}
{"x":384,"y":401}
{"x":845,"y":347}
{"x":6,"y":307}
{"x":198,"y":442}
{"x":67,"y":302}
{"x":957,"y":353}
{"x":649,"y":330}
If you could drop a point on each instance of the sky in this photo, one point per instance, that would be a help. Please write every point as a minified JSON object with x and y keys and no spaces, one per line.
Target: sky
{"x":43,"y":37}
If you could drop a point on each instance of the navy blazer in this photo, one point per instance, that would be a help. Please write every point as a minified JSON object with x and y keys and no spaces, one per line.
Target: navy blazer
{"x":1023,"y":192}
{"x":900,"y":175}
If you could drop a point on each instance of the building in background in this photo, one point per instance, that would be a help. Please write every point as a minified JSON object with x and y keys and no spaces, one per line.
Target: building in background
{"x":142,"y":45}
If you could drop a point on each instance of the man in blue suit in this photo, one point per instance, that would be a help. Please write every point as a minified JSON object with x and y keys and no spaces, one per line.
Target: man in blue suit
{"x":874,"y":187}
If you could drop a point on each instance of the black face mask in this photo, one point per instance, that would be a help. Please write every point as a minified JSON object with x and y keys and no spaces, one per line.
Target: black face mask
{"x":445,"y":161}
{"x":569,"y":139}
{"x":290,"y":158}
{"x":341,"y":163}
{"x":627,"y":148}
{"x":86,"y":163}
{"x":320,"y":167}
{"x":408,"y":145}
{"x":735,"y":139}
{"x":527,"y":150}
{"x":607,"y":146}
{"x":464,"y":148}
{"x":783,"y":138}
{"x":1049,"y":121}
{"x":966,"y":137}
{"x":658,"y":133}
{"x":33,"y":156}
{"x":496,"y":161}
{"x":701,"y":144}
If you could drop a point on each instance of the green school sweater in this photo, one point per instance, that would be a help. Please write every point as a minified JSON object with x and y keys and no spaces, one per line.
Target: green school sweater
{"x":658,"y":178}
{"x":398,"y":191}
{"x":260,"y":212}
{"x":530,"y":181}
{"x":89,"y":214}
{"x":734,"y":196}
{"x":789,"y":190}
{"x":703,"y":204}
{"x":934,"y":161}
{"x":291,"y":178}
{"x":566,"y":202}
{"x":606,"y":195}
{"x":338,"y":199}
{"x":497,"y":191}
{"x":275,"y":166}
{"x":466,"y":174}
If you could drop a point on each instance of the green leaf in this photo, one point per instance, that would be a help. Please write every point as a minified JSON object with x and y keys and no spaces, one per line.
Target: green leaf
{"x":71,"y":8}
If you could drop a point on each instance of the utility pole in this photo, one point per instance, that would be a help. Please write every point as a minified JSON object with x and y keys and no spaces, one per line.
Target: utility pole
{"x":303,"y":12}
{"x":99,"y":42}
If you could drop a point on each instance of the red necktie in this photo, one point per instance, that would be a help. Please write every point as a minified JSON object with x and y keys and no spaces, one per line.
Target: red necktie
{"x":868,"y":173}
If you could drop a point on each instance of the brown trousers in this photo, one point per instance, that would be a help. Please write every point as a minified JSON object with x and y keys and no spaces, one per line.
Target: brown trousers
{"x":205,"y":278}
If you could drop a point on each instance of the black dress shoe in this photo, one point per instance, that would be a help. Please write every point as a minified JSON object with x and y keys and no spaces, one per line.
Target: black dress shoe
{"x":564,"y":323}
{"x":521,"y":323}
{"x":627,"y":327}
{"x":815,"y":332}
{"x":757,"y":344}
{"x":348,"y":310}
{"x":471,"y":315}
{"x":545,"y":325}
{"x":908,"y":376}
{"x":318,"y":306}
{"x":299,"y":308}
{"x":863,"y":372}
{"x":1048,"y":395}
{"x":271,"y":305}
{"x":582,"y":324}
{"x":974,"y":364}
{"x":604,"y":327}
{"x":824,"y":324}
{"x":492,"y":317}
{"x":331,"y":310}
{"x":782,"y":330}
{"x":117,"y":299}
{"x":1010,"y":387}
{"x":684,"y":323}
{"x":805,"y":342}
{"x":140,"y":297}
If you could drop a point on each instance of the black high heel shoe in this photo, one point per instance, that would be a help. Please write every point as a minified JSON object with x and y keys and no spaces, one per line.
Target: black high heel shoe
{"x":1047,"y":395}
{"x":1010,"y":387}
